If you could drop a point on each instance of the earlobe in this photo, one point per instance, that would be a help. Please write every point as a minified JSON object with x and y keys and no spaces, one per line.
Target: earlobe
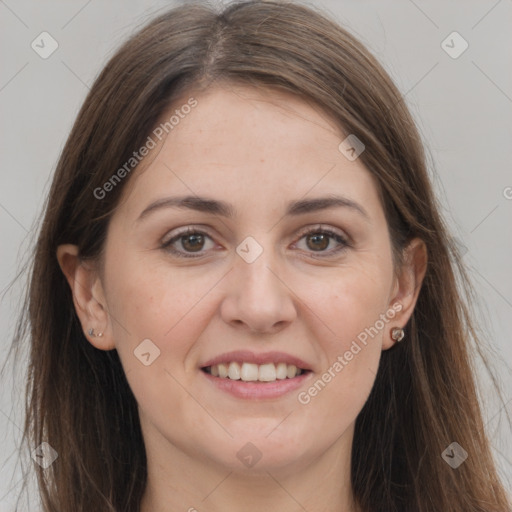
{"x":406,"y":289}
{"x":88,"y":297}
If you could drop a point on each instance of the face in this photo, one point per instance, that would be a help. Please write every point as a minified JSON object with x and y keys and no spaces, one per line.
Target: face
{"x":277,"y":271}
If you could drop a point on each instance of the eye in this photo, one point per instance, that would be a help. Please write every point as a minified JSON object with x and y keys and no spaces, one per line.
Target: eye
{"x":191,"y":241}
{"x":319,"y":239}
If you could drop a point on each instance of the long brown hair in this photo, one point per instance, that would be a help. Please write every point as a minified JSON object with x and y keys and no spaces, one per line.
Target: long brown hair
{"x":424,"y":396}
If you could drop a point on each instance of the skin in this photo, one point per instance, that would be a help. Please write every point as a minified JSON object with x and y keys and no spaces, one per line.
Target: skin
{"x":257,"y":150}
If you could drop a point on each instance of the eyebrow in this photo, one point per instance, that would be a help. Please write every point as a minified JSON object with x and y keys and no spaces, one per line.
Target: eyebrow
{"x":223,"y":209}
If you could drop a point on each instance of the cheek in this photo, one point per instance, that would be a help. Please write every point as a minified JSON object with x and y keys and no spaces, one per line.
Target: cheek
{"x":153,"y":301}
{"x":351,"y":300}
{"x":351,"y":317}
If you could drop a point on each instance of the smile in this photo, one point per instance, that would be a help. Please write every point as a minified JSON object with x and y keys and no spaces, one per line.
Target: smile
{"x":251,"y":372}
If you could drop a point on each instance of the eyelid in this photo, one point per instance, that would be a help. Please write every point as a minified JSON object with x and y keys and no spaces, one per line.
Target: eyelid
{"x":192,"y":229}
{"x":343,"y":240}
{"x":322,"y":228}
{"x":166,"y":245}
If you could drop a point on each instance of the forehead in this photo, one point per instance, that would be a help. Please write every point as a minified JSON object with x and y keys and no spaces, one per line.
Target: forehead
{"x":252,"y":146}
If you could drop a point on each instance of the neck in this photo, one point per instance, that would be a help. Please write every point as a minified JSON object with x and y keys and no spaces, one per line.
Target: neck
{"x":179,"y":481}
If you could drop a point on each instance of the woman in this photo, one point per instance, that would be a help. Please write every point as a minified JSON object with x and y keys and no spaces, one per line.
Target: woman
{"x":243,"y":295}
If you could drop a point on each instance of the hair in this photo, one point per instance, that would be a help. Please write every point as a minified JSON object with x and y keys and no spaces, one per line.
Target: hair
{"x":425,"y":394}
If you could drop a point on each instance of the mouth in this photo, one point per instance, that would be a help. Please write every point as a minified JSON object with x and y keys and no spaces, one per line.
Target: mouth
{"x":252,"y":372}
{"x":246,"y":370}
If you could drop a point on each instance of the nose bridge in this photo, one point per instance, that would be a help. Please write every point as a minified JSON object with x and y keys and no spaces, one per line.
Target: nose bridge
{"x":256,"y":295}
{"x":253,"y":266}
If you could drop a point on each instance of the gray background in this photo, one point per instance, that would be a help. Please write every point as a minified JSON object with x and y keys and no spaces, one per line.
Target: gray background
{"x":463,"y":107}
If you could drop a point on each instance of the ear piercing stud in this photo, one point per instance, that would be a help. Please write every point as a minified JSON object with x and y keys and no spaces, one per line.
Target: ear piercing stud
{"x":91,"y":333}
{"x":397,"y":334}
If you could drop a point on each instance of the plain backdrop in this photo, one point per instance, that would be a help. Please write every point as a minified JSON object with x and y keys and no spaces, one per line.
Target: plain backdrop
{"x":463,"y":107}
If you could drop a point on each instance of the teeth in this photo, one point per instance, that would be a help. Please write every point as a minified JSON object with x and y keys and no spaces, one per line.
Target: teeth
{"x":222,"y":369}
{"x":234,"y":371}
{"x":267,"y":372}
{"x":250,"y":372}
{"x":292,"y":371}
{"x":281,"y":371}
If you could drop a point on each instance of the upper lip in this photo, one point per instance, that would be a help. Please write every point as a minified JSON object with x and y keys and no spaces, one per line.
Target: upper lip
{"x":246,"y":356}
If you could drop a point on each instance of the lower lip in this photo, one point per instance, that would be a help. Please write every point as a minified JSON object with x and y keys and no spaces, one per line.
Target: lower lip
{"x":257,"y":390}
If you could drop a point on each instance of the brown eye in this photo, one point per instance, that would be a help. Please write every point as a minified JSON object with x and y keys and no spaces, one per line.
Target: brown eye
{"x":318,"y":241}
{"x":192,"y":242}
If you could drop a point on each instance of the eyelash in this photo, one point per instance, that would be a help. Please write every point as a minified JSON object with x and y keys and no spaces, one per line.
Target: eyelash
{"x":167,"y":246}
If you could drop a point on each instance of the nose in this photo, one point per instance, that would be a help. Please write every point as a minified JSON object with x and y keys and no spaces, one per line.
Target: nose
{"x":258,"y":299}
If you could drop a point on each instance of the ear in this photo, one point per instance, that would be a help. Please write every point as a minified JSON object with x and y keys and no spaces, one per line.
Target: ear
{"x":406,"y":288}
{"x":88,"y":297}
